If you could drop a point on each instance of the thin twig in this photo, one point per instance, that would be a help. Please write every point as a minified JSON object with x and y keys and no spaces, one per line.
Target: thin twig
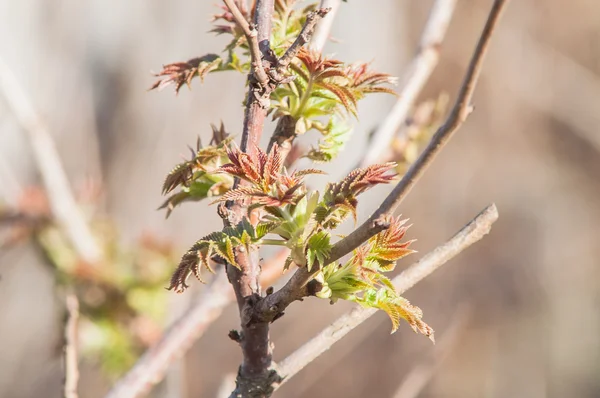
{"x":271,"y":306}
{"x":252,"y":38}
{"x":71,"y":358}
{"x":415,"y":78}
{"x":305,"y":34}
{"x":285,"y":131}
{"x":317,"y":43}
{"x":62,"y":201}
{"x":189,"y":327}
{"x":471,"y":233}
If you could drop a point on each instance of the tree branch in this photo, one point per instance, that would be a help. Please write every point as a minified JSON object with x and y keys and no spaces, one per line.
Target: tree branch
{"x":255,"y":375}
{"x":259,"y":92}
{"x":71,"y":359}
{"x":270,"y":307}
{"x":255,"y":338}
{"x":62,"y":201}
{"x":471,"y":233}
{"x":304,"y":37}
{"x":417,"y":75}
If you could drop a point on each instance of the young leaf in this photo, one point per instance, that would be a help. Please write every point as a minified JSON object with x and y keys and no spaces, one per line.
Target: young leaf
{"x":180,"y":73}
{"x":317,"y":249}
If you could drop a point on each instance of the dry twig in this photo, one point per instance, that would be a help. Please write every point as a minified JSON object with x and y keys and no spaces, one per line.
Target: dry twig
{"x":305,"y":35}
{"x":62,"y":201}
{"x":471,"y":233}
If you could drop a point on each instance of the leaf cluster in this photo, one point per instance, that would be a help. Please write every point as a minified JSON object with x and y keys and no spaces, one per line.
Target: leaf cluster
{"x":322,"y":96}
{"x":319,"y":94}
{"x":195,"y":177}
{"x":312,"y":93}
{"x":295,"y":218}
{"x":362,"y":279}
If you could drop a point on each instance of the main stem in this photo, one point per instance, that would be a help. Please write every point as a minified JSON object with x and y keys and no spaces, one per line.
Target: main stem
{"x":255,"y":376}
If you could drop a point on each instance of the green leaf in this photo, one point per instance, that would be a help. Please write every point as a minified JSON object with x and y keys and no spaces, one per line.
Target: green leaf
{"x":318,"y":249}
{"x":335,"y":137}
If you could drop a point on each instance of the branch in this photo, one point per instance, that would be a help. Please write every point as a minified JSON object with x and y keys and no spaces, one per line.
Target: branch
{"x":418,"y":74}
{"x":71,"y":359}
{"x":62,"y":201}
{"x":471,"y":233}
{"x":256,"y":376}
{"x":151,"y":368}
{"x":252,"y":38}
{"x":298,"y":286}
{"x":304,"y":37}
{"x":258,"y":94}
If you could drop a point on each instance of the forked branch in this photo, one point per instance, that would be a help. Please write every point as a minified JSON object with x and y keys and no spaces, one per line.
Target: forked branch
{"x":272,"y":306}
{"x":252,"y":38}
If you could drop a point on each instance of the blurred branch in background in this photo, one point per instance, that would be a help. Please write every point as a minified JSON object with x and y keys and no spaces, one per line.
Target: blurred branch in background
{"x":152,"y":366}
{"x":62,"y":202}
{"x":178,"y":339}
{"x":414,"y":80}
{"x":323,"y":29}
{"x":71,"y":357}
{"x":471,"y":233}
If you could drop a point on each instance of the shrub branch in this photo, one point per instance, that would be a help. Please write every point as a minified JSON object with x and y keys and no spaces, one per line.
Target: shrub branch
{"x":270,"y":307}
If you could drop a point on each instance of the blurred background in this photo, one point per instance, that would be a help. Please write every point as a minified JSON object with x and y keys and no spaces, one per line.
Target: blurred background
{"x":517,"y":313}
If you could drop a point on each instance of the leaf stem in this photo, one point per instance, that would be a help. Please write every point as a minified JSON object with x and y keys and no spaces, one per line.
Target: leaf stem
{"x":273,"y":242}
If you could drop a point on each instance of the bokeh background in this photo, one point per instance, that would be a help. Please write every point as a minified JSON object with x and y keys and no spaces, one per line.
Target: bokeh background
{"x":531,"y":289}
